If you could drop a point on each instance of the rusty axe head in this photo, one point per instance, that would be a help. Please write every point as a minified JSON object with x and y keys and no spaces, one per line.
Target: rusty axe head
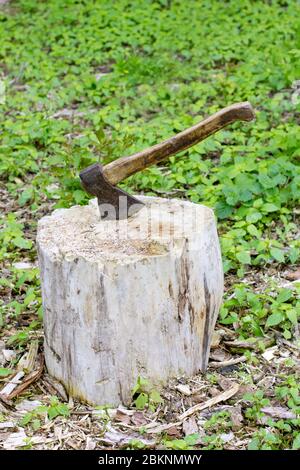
{"x":100,"y":181}
{"x":114,"y":203}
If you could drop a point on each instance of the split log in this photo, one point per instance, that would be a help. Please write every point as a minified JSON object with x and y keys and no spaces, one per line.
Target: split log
{"x":128,"y":298}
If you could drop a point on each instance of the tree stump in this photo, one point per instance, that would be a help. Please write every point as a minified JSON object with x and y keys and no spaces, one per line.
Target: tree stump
{"x":128,"y":298}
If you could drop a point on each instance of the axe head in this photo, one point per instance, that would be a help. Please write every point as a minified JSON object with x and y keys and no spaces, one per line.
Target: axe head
{"x":114,"y":204}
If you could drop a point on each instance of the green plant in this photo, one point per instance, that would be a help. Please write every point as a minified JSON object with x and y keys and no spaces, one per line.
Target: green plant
{"x":257,"y":313}
{"x":265,"y":440}
{"x":187,"y":443}
{"x":257,"y":401}
{"x":54,"y":409}
{"x":145,"y":396}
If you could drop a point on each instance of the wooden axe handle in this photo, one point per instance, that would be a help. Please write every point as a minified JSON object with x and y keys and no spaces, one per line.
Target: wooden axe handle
{"x":121,"y":168}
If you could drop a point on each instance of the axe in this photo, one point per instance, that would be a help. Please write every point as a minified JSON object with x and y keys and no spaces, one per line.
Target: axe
{"x":100,"y":181}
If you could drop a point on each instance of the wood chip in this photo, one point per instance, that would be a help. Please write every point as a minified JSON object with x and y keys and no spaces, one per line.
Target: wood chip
{"x":216,"y":339}
{"x":90,"y":443}
{"x":7,"y":424}
{"x":219,"y":355}
{"x":28,"y":405}
{"x":27,"y":361}
{"x":12,"y":384}
{"x":224,"y":382}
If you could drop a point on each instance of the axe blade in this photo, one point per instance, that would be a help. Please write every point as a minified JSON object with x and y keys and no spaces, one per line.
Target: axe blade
{"x":113,"y":202}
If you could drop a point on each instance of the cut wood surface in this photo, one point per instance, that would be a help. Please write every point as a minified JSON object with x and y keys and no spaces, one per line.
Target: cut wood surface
{"x":128,"y":298}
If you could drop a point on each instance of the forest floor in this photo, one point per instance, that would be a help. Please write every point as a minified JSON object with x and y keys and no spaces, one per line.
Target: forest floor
{"x":90,"y":81}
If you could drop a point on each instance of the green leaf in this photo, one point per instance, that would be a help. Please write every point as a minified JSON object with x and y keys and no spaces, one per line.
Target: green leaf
{"x":141,"y":401}
{"x":287,"y":334}
{"x":274,"y":319}
{"x":192,"y":439}
{"x":292,"y":316}
{"x":155,"y":397}
{"x":244,"y":257}
{"x":294,"y":254}
{"x":277,"y":254}
{"x":79,"y":196}
{"x":269,"y":208}
{"x":177,"y":444}
{"x":253,"y":230}
{"x":284,"y":295}
{"x":5,"y":372}
{"x":253,"y":217}
{"x":254,"y":444}
{"x":26,"y":419}
{"x":22,"y":243}
{"x":296,"y":442}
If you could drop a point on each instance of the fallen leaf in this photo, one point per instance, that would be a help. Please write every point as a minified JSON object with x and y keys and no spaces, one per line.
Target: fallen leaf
{"x":214,"y":391}
{"x":28,"y":405}
{"x":219,"y":355}
{"x":112,"y":436}
{"x":244,"y":389}
{"x":138,"y":418}
{"x":20,"y":439}
{"x":173,"y":432}
{"x":122,"y":417}
{"x":236,"y":417}
{"x":184,"y":389}
{"x":293,"y":275}
{"x":8,"y":354}
{"x":278,"y":412}
{"x":269,"y":353}
{"x":227,"y":437}
{"x":189,"y":426}
{"x":224,"y":383}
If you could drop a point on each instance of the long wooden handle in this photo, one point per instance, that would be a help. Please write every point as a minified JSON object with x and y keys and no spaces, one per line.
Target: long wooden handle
{"x":121,"y":168}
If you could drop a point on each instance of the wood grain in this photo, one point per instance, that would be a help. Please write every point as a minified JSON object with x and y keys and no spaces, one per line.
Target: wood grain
{"x":121,"y":168}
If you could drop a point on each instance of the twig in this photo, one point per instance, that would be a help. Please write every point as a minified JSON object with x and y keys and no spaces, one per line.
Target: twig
{"x":32,"y":377}
{"x":12,"y":384}
{"x":230,"y":362}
